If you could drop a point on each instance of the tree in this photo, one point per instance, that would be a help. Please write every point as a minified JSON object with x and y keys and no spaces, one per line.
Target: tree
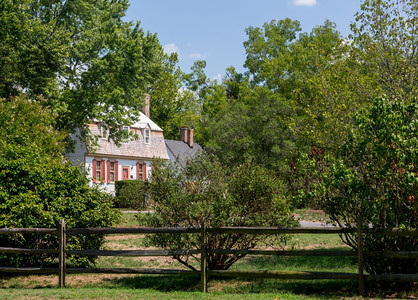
{"x":254,"y":130}
{"x":374,"y":175}
{"x":167,"y":103}
{"x":80,"y":56}
{"x":38,"y":187}
{"x":378,"y":58}
{"x":385,"y":47}
{"x":210,"y":193}
{"x":282,"y":61}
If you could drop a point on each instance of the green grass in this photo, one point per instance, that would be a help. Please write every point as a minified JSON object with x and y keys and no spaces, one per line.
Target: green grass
{"x":105,"y":286}
{"x":130,"y":293}
{"x":128,"y":220}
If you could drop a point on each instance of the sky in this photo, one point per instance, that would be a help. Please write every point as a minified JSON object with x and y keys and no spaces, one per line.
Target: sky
{"x":214,"y":30}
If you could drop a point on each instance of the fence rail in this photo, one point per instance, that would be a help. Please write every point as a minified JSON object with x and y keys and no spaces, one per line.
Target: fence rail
{"x":204,"y":251}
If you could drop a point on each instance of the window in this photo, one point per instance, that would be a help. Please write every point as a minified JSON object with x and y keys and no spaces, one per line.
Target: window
{"x":112,"y":171}
{"x":99,"y":172}
{"x":146,"y":136}
{"x":99,"y":168}
{"x":125,"y":128}
{"x":141,"y":171}
{"x":102,"y":130}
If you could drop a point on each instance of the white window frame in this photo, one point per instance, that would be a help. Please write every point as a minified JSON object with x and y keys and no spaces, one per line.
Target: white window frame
{"x":99,"y":171}
{"x":112,"y":172}
{"x":147,"y":136}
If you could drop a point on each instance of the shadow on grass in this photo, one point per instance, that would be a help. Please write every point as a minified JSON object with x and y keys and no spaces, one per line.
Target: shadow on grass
{"x":171,"y":283}
{"x":300,"y":263}
{"x":167,"y":283}
{"x":320,"y":288}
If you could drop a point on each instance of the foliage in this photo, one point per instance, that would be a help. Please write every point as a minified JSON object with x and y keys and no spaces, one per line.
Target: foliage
{"x":38,"y":188}
{"x":254,"y":130}
{"x":166,"y":100}
{"x":210,"y":193}
{"x":378,"y":58}
{"x":375,"y":176}
{"x":130,"y":193}
{"x":263,"y":115}
{"x":385,"y":39}
{"x":81,"y":56}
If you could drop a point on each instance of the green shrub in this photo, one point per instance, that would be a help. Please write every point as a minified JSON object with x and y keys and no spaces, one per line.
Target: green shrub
{"x":207,"y":192}
{"x":38,"y":187}
{"x":131,"y":194}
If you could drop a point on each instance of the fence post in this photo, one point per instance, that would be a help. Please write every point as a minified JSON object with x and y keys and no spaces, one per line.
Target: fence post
{"x":204,"y":259}
{"x":61,"y":235}
{"x":360,"y":254}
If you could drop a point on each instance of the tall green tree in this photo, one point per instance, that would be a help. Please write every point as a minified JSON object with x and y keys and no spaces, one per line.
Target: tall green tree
{"x":378,"y":58}
{"x":167,"y":103}
{"x":385,"y":37}
{"x":81,"y":56}
{"x":374,"y":175}
{"x":258,"y":115}
{"x":254,"y":130}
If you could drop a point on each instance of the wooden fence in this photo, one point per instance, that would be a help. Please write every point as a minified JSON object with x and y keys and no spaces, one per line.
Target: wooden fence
{"x":204,"y":251}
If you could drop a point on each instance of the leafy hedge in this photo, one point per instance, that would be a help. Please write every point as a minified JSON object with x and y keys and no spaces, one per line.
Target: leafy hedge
{"x":131,"y":194}
{"x":205,"y":191}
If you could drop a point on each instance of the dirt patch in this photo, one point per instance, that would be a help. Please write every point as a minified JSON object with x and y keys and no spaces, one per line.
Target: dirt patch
{"x":124,"y":237}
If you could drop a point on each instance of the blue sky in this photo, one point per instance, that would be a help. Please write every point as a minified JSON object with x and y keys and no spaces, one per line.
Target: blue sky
{"x":214,"y":30}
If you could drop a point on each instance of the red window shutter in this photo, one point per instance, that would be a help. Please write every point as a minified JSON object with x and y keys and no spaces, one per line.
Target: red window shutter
{"x":137,"y":170}
{"x":103,"y":171}
{"x":144,"y":170}
{"x":116,"y":170}
{"x":94,"y":170}
{"x":108,"y":171}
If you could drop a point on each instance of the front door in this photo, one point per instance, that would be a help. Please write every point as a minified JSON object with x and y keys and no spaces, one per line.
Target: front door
{"x":125,"y":173}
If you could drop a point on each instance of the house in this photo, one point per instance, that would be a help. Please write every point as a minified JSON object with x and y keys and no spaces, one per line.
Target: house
{"x":131,"y":160}
{"x":180,"y":151}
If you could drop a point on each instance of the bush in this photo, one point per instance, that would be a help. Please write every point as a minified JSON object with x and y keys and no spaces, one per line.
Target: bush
{"x":210,"y":193}
{"x":38,"y":187}
{"x":375,"y":176}
{"x":131,"y":194}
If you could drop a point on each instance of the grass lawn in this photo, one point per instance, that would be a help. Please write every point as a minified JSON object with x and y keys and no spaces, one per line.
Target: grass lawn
{"x":107,"y":286}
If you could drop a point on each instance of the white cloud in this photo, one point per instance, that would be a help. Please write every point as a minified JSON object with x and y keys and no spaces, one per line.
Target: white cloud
{"x":304,"y":2}
{"x":197,"y":56}
{"x":171,"y":48}
{"x":218,"y":78}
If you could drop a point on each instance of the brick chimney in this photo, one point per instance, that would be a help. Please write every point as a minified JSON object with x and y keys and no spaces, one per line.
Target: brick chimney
{"x":190,"y":139}
{"x":183,"y":135}
{"x":146,"y":107}
{"x":186,"y":135}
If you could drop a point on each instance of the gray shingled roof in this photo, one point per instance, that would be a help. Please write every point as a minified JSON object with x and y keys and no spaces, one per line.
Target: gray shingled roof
{"x":181,"y":150}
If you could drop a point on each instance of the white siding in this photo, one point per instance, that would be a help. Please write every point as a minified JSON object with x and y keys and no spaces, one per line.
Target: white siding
{"x":110,"y":187}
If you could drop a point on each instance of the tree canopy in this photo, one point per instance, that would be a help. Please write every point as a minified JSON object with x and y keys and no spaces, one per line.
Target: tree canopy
{"x":80,"y":56}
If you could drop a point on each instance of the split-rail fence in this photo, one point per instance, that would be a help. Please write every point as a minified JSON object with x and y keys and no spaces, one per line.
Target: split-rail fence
{"x":204,"y":251}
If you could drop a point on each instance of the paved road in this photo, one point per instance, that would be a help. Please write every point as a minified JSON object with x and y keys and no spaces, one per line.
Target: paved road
{"x":314,"y":224}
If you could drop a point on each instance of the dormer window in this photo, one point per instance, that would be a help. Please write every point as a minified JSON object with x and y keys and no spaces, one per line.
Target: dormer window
{"x":102,"y":130}
{"x":147,"y":136}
